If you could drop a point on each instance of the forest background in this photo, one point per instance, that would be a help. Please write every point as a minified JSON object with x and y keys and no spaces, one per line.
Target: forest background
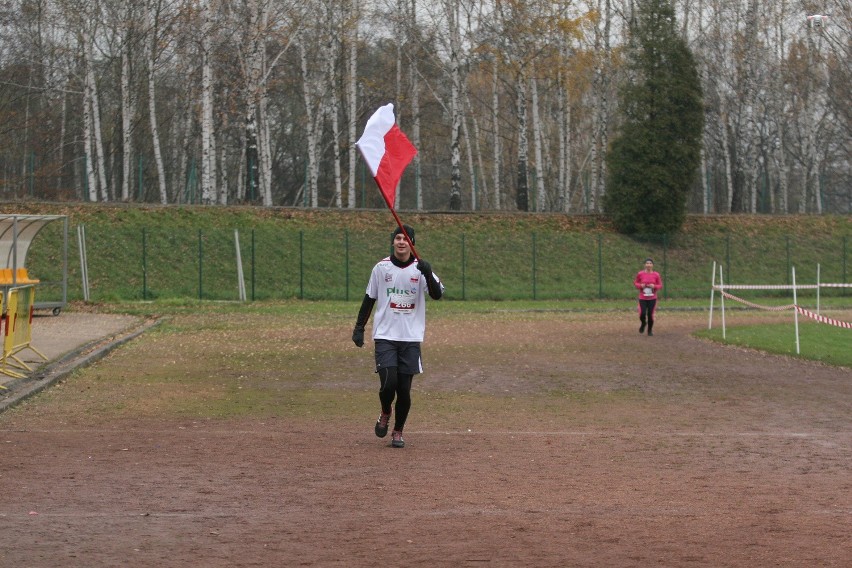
{"x":512,"y":104}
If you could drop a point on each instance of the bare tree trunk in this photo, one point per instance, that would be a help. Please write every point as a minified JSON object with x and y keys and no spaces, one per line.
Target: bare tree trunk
{"x":414,"y":85}
{"x":779,"y":150}
{"x":352,"y":94}
{"x":495,"y":119}
{"x":564,"y":118}
{"x":208,"y":129}
{"x":265,"y":148}
{"x":126,"y":115}
{"x":312,"y":129}
{"x":705,"y":201}
{"x":811,"y":151}
{"x":779,"y":154}
{"x":334,"y":104}
{"x":253,"y":76}
{"x":264,"y":142}
{"x":522,"y":197}
{"x":480,"y":184}
{"x":541,"y":198}
{"x":91,"y":179}
{"x":471,"y":170}
{"x":96,"y":119}
{"x":222,"y":184}
{"x":181,"y":193}
{"x":415,"y":132}
{"x":726,"y":157}
{"x":597,"y":96}
{"x":152,"y":107}
{"x":452,"y":11}
{"x":61,"y":147}
{"x":400,"y":39}
{"x":603,"y":104}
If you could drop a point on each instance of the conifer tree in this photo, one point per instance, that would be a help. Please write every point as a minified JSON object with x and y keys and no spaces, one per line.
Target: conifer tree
{"x":654,"y":161}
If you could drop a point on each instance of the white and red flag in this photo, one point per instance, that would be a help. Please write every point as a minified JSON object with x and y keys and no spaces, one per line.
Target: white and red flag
{"x":386,"y":150}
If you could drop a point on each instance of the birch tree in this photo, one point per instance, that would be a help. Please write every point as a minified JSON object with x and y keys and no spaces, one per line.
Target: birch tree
{"x":451,"y":10}
{"x":333,"y":55}
{"x":257,"y":18}
{"x":314,"y":83}
{"x":541,"y":197}
{"x":414,"y":88}
{"x":127,"y":100}
{"x":154,"y":10}
{"x":96,"y":142}
{"x":351,"y":29}
{"x":495,"y":128}
{"x":208,"y":137}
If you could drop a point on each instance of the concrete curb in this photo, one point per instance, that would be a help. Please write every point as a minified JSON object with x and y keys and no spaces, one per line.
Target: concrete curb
{"x":55,"y":371}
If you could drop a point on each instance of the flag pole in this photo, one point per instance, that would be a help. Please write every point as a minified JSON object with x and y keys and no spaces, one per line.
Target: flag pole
{"x":398,"y":222}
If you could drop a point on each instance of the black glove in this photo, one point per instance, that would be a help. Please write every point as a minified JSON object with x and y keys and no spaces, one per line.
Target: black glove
{"x":358,"y":335}
{"x":424,"y":267}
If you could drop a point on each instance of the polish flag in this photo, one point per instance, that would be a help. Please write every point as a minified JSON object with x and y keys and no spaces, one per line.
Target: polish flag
{"x":386,"y":150}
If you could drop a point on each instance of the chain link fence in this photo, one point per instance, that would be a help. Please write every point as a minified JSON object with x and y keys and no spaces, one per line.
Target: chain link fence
{"x":329,"y":264}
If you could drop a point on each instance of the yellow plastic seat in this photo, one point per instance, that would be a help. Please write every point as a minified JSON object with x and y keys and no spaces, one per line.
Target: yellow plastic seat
{"x":24,"y":277}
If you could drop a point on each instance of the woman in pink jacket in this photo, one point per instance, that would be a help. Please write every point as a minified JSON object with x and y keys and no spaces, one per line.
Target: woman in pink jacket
{"x":648,"y":282}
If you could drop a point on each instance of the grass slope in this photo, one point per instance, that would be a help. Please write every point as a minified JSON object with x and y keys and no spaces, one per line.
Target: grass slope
{"x":184,"y":252}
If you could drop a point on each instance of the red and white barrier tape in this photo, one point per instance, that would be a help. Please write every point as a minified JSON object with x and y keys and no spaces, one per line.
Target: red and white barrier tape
{"x":765,"y":287}
{"x":801,"y":310}
{"x":758,"y":306}
{"x":823,"y":319}
{"x":778,"y":286}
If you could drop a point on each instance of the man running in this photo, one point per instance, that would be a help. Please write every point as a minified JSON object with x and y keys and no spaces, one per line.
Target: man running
{"x":398,"y":284}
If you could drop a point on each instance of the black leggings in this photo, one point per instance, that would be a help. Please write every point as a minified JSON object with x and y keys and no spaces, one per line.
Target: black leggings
{"x":646,"y":312}
{"x":394,"y":384}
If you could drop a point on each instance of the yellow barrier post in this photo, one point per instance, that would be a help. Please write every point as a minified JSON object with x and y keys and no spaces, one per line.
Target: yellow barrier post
{"x":19,"y":332}
{"x":4,"y":325}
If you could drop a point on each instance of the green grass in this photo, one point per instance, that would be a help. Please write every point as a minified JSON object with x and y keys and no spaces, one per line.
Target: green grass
{"x":184,"y":253}
{"x":818,"y":342}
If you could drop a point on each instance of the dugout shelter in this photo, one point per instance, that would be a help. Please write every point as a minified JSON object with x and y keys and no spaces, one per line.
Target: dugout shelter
{"x":17,"y":233}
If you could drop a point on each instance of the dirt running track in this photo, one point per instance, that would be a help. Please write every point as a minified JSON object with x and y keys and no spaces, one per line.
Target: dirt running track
{"x":575,"y":442}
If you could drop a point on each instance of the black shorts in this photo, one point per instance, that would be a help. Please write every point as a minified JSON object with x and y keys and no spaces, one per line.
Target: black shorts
{"x":405,"y":355}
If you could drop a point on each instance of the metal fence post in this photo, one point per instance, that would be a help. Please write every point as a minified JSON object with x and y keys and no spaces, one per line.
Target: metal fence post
{"x":845,"y":281}
{"x":200,"y":265}
{"x":665,"y":267}
{"x":728,"y":255}
{"x":302,"y":264}
{"x":533,"y":267}
{"x":463,"y":267}
{"x":600,"y":267}
{"x":346,"y":245}
{"x":252,"y":266}
{"x":144,"y":264}
{"x":787,"y":239}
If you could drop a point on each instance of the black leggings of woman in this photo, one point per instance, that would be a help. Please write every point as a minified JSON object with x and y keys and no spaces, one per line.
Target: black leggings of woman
{"x":395,"y":384}
{"x":646,"y":312}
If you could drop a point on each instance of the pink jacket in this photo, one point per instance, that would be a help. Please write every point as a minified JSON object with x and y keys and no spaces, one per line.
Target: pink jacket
{"x":643,"y":279}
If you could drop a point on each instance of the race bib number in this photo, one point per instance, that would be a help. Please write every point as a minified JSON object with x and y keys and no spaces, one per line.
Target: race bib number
{"x":648,"y":291}
{"x":401,"y":304}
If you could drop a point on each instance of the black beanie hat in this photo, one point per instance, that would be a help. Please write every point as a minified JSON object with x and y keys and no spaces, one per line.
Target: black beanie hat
{"x":408,"y":229}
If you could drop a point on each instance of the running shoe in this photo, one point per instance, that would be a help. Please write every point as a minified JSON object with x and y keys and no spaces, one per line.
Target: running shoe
{"x":396,"y":439}
{"x":382,"y":425}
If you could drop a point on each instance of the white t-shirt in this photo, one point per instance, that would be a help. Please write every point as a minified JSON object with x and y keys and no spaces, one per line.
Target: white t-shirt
{"x":400,"y":295}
